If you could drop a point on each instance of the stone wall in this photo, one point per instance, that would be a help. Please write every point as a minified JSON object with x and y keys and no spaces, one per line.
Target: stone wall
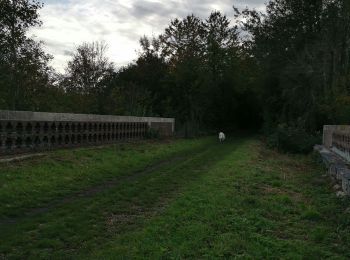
{"x":33,"y":131}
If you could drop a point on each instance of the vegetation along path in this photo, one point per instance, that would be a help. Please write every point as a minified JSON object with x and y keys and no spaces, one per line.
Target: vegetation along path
{"x":171,"y":199}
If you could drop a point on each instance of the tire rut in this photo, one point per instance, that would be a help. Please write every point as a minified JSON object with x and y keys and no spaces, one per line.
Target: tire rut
{"x":93,"y":190}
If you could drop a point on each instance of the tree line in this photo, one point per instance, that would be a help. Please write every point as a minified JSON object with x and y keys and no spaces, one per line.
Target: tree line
{"x":284,"y":70}
{"x":302,"y":50}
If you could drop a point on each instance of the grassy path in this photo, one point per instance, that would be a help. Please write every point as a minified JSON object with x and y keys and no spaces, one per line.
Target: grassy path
{"x":181,"y":199}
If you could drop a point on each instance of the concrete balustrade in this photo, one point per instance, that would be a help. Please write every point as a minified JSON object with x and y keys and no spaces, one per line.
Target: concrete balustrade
{"x":335,"y":153}
{"x":22,"y":131}
{"x":337,"y":139}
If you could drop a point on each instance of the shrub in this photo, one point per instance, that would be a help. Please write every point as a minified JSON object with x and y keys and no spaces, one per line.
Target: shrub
{"x":152,"y":134}
{"x":292,"y":139}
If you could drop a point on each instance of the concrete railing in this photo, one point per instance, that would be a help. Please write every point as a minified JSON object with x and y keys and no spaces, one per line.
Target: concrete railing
{"x":22,"y":131}
{"x":337,"y":139}
{"x":335,"y":153}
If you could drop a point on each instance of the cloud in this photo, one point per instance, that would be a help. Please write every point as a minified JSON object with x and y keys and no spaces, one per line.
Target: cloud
{"x":120,"y":23}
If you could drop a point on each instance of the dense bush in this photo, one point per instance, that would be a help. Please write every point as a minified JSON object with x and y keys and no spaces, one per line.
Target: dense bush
{"x":292,"y":139}
{"x":152,"y":134}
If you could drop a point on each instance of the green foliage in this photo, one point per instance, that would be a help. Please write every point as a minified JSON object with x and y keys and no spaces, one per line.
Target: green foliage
{"x":88,"y":68}
{"x":292,"y":139}
{"x":152,"y":134}
{"x":302,"y":48}
{"x":211,"y":86}
{"x":24,"y":69}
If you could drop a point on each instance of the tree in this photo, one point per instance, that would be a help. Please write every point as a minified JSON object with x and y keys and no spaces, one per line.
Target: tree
{"x":88,"y":67}
{"x":192,"y":72}
{"x":221,"y":44}
{"x":85,"y":76}
{"x":222,"y":59}
{"x":292,"y":43}
{"x":133,"y":94}
{"x":23,"y":64}
{"x":183,"y":39}
{"x":183,"y":47}
{"x":150,"y":73}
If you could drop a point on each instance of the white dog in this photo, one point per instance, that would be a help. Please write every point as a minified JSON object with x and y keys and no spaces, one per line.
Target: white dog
{"x":221,"y":137}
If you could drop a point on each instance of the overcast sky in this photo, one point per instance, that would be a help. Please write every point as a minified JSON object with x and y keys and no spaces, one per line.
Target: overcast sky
{"x":120,"y":23}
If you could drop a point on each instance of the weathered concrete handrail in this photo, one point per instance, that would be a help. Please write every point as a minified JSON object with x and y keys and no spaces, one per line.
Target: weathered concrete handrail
{"x":335,"y":153}
{"x":337,"y":139}
{"x":22,"y":131}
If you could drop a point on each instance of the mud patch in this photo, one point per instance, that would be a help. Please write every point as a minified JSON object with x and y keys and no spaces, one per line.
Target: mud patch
{"x":116,"y":222}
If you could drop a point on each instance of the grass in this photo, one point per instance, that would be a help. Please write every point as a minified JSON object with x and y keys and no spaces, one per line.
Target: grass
{"x":37,"y":182}
{"x":177,"y":199}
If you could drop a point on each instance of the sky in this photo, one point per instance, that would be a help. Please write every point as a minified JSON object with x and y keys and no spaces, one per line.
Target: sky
{"x":119,"y":23}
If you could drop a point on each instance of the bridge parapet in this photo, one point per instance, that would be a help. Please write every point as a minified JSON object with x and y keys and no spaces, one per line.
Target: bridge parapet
{"x":337,"y":139}
{"x":22,"y":131}
{"x":335,"y":153}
